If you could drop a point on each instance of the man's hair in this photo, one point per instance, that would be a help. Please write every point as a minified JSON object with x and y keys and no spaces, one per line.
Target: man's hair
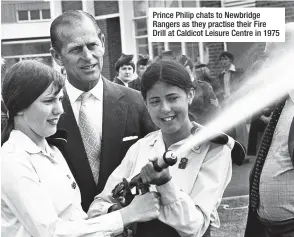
{"x":68,"y":19}
{"x":227,"y":54}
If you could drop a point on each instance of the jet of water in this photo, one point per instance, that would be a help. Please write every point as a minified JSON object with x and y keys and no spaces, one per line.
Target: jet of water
{"x":268,"y":85}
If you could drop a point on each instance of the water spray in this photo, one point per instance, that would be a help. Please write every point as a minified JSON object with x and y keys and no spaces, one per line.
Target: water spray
{"x":267,"y":86}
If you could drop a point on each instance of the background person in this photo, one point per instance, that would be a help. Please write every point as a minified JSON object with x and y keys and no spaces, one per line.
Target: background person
{"x":125,"y":69}
{"x":228,"y":82}
{"x":205,"y":104}
{"x":141,"y":67}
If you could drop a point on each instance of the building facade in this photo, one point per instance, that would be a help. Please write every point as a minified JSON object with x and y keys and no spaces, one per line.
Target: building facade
{"x":25,"y":30}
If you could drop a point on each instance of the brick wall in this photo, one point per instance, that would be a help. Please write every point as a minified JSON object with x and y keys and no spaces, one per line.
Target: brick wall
{"x":111,"y":29}
{"x":114,"y":43}
{"x":105,"y":7}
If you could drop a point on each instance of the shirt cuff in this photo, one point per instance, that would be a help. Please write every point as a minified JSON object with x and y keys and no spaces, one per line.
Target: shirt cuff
{"x":115,"y":222}
{"x":169,"y":193}
{"x":98,"y":207}
{"x":231,"y":142}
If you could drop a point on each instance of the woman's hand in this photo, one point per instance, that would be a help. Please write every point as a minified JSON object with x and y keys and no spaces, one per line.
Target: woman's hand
{"x":143,"y":208}
{"x":150,"y":176}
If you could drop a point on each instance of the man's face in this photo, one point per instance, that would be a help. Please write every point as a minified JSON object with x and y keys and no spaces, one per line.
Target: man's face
{"x":81,"y":53}
{"x":141,"y":69}
{"x":225,"y":61}
{"x":125,"y":73}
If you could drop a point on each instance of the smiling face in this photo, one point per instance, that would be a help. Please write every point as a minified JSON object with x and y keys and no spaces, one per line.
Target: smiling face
{"x":168,"y":108}
{"x":40,"y":119}
{"x":125,"y":73}
{"x":81,"y":53}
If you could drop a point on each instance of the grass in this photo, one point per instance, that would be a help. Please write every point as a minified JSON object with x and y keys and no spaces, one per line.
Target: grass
{"x":233,"y":216}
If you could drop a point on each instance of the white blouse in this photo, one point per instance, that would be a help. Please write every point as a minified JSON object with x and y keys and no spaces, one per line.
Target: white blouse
{"x":190,"y":199}
{"x":39,"y":195}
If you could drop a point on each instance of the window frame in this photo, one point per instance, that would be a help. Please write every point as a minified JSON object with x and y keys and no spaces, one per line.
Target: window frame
{"x":29,"y":16}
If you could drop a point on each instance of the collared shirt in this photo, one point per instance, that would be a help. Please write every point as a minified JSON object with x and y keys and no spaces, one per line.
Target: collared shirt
{"x":94,"y":104}
{"x":277,"y":177}
{"x":190,"y":199}
{"x":227,"y":79}
{"x":39,"y":195}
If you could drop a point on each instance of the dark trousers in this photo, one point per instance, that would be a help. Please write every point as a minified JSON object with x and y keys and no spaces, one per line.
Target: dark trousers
{"x":278,"y":228}
{"x":257,"y":127}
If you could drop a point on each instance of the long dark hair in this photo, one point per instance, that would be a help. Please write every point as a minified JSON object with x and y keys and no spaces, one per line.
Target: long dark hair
{"x":168,"y":71}
{"x":22,"y":85}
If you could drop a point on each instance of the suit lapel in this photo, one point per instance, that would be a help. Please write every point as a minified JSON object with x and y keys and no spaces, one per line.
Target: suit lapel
{"x":75,"y":151}
{"x":113,"y":127}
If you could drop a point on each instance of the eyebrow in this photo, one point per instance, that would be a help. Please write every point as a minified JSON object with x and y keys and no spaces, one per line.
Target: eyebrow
{"x":171,"y":94}
{"x":92,"y":41}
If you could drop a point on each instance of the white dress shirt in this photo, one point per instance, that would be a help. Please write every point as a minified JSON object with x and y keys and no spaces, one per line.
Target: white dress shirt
{"x":190,"y":199}
{"x":39,"y":195}
{"x":277,"y":178}
{"x":227,"y":80}
{"x":94,"y":104}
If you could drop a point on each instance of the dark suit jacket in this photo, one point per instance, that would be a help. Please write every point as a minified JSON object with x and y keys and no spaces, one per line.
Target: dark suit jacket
{"x":201,"y":107}
{"x":124,"y":114}
{"x":135,"y":84}
{"x":118,"y":81}
{"x":254,"y":227}
{"x":235,"y":83}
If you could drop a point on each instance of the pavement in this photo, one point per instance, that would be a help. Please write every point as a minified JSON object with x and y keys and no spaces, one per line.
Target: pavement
{"x":239,"y":185}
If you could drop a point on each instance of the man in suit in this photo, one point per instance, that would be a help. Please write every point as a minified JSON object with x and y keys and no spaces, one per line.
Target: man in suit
{"x":229,"y":81}
{"x":271,"y":200}
{"x":125,"y":69}
{"x":103,"y":119}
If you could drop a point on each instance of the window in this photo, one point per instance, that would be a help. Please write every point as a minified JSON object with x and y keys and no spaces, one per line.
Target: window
{"x":140,"y":8}
{"x":23,"y":15}
{"x":142,"y":45}
{"x":141,"y":27}
{"x":34,"y":15}
{"x":192,"y":49}
{"x":16,"y":51}
{"x":46,"y":14}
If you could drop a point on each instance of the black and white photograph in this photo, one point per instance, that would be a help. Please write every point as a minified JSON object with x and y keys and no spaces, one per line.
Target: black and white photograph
{"x":147,"y":118}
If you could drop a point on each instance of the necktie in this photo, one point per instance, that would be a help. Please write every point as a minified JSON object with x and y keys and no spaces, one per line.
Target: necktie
{"x":262,"y":154}
{"x":91,"y":137}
